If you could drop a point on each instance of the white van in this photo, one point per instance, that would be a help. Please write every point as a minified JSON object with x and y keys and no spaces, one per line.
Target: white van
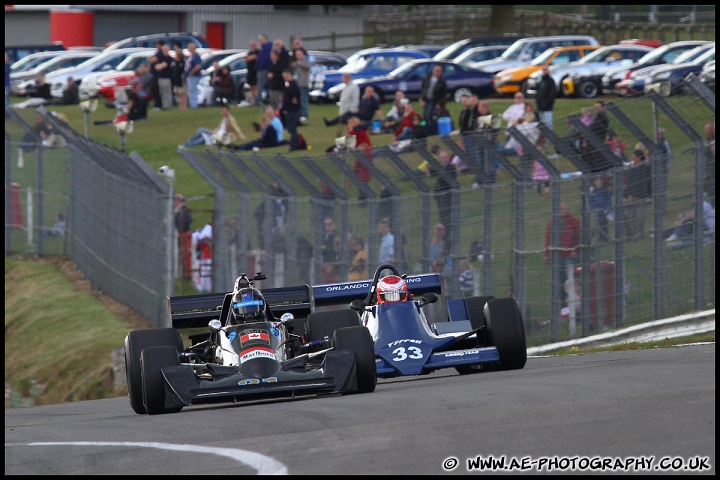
{"x":523,"y":51}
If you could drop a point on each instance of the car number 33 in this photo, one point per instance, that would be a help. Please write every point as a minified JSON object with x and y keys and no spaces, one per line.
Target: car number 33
{"x":403,"y":353}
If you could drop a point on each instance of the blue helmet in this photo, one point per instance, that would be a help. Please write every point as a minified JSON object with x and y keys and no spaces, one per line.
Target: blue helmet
{"x":248,"y":305}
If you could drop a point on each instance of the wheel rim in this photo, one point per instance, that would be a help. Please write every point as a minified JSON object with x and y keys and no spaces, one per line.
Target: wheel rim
{"x":588,"y":90}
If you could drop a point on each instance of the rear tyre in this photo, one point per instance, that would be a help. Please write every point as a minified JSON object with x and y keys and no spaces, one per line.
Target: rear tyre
{"x":322,"y":324}
{"x":506,"y":331}
{"x":359,"y":340}
{"x":587,"y":89}
{"x":135,"y":342}
{"x":476,"y":310}
{"x":152,"y":361}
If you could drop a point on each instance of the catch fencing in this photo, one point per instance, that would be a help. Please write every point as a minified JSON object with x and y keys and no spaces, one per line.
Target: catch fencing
{"x":270,"y":209}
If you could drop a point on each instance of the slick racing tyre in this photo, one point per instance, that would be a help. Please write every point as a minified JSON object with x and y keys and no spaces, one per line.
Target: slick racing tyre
{"x":506,"y":331}
{"x":476,"y":310}
{"x":135,"y":342}
{"x":152,"y":361}
{"x":358,"y":340}
{"x":322,"y":324}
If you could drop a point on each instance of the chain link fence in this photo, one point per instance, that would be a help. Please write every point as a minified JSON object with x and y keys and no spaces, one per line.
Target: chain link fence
{"x":270,"y":212}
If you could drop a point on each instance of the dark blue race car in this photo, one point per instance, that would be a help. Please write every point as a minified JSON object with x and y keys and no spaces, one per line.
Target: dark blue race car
{"x":408,"y":78}
{"x":479,"y":334}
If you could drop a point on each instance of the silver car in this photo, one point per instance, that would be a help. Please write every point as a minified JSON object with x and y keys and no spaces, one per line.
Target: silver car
{"x":593,"y":66}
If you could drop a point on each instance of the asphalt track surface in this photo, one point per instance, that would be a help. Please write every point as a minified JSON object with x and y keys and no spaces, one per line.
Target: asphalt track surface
{"x":608,"y":410}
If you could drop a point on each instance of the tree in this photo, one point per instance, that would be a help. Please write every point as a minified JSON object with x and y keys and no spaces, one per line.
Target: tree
{"x":502,"y":19}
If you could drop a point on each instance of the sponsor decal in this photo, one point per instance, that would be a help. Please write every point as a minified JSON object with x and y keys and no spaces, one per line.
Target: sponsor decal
{"x":232,"y":335}
{"x":257,"y":381}
{"x":353,"y":286}
{"x":275,"y":332}
{"x":256,"y":352}
{"x":407,"y":340}
{"x":460,"y":353}
{"x":261,"y":337}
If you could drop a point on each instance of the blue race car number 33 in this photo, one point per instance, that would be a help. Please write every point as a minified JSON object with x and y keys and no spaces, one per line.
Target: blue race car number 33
{"x":403,"y":353}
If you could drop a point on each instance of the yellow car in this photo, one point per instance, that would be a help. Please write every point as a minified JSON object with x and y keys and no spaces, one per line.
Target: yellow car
{"x":512,"y":80}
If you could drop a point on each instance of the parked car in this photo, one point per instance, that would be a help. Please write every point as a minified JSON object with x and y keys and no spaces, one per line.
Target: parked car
{"x":215,"y":55}
{"x":33,"y":60}
{"x":238,"y":71}
{"x":636,"y":81}
{"x":480,"y":54}
{"x":668,"y":79}
{"x":526,"y":50}
{"x":366,"y":63}
{"x":664,"y":54}
{"x":23,"y":83}
{"x":408,"y":78}
{"x":106,"y":61}
{"x":19,"y":52}
{"x":452,"y":51}
{"x":591,"y":67}
{"x":707,"y":75}
{"x":169,"y":38}
{"x":511,"y":80}
{"x":103,"y":83}
{"x":431,"y":50}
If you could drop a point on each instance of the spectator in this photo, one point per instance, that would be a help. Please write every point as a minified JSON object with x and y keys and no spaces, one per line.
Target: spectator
{"x":437,"y":244}
{"x":545,"y":97}
{"x":203,"y":249}
{"x":226,"y":133}
{"x":489,"y":132}
{"x":193,"y":66}
{"x":665,"y":157}
{"x":155,"y":85}
{"x":291,"y":107}
{"x":709,"y":181}
{"x":443,"y":197}
{"x":434,"y":87}
{"x":136,"y":109}
{"x":441,"y":111}
{"x":516,"y":111}
{"x":466,"y":278}
{"x":224,"y":87}
{"x":328,"y":268}
{"x":405,"y":128}
{"x":369,"y":107}
{"x":616,"y":144}
{"x":163,"y":69}
{"x":467,"y":120}
{"x":42,"y":88}
{"x":283,"y":53}
{"x":251,"y":60}
{"x":541,"y":177}
{"x":362,"y":142}
{"x":638,"y":189}
{"x":349,"y":102}
{"x":386,"y":253}
{"x":71,"y":94}
{"x":263,"y":64}
{"x":418,"y":131}
{"x":302,"y":74}
{"x":601,"y":122}
{"x":601,"y":205}
{"x":58,"y":228}
{"x":177,"y":65}
{"x":358,"y":269}
{"x":686,"y":225}
{"x":530,"y":108}
{"x":142,"y":82}
{"x":275,"y":82}
{"x":277,"y":125}
{"x":183,"y":220}
{"x":569,"y":227}
{"x":395,"y":114}
{"x":268,"y":138}
{"x":206,"y":94}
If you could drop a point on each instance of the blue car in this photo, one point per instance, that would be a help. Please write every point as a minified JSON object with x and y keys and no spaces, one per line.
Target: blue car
{"x":479,"y":334}
{"x":408,"y":78}
{"x":363,"y":64}
{"x":667,"y":78}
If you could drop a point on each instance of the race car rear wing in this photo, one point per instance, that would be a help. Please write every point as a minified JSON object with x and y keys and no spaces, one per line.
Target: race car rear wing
{"x":339,"y":293}
{"x":195,"y":311}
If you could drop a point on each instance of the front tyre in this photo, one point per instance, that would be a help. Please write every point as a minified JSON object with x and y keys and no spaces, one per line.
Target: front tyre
{"x":152,"y":361}
{"x":461,"y":92}
{"x":588,"y":89}
{"x":506,"y":331}
{"x":358,"y":339}
{"x":135,"y":342}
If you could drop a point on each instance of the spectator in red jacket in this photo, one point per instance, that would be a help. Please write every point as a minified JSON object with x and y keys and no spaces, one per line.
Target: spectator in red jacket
{"x":569,"y":227}
{"x":355,"y":128}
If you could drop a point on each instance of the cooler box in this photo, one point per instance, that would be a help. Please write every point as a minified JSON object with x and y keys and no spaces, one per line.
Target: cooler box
{"x":444,"y":125}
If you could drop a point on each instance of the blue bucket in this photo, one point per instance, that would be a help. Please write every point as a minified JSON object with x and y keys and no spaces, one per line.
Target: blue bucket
{"x":377,"y":125}
{"x":444,"y":125}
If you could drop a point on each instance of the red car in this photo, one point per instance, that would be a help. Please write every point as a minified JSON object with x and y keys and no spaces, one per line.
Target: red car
{"x":113,"y":81}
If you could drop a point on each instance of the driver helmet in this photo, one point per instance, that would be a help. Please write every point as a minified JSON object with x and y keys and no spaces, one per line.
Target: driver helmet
{"x":391,"y":289}
{"x":248,"y":305}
